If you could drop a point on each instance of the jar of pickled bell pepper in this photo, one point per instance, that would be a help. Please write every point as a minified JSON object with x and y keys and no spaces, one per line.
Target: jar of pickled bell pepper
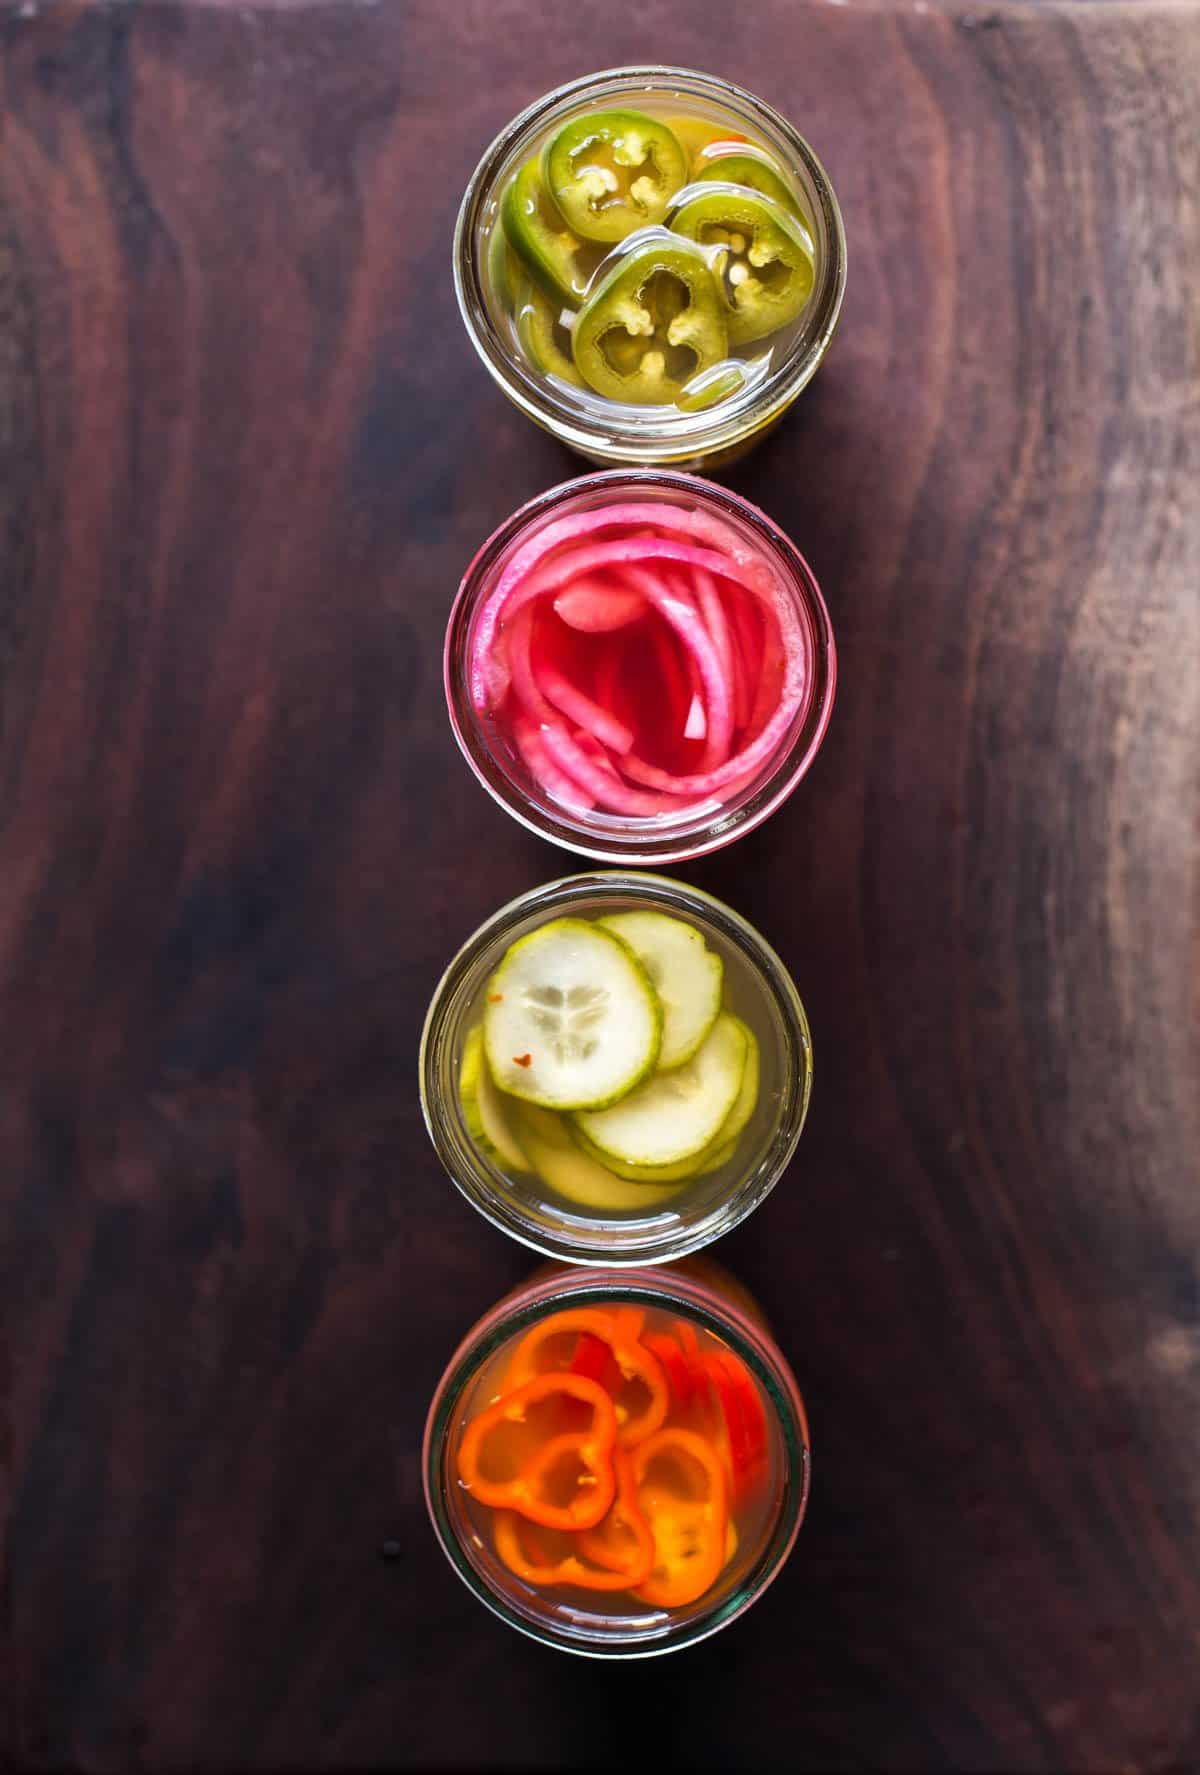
{"x":617,"y":1464}
{"x":615,"y":1069}
{"x":651,"y":264}
{"x":639,"y":666}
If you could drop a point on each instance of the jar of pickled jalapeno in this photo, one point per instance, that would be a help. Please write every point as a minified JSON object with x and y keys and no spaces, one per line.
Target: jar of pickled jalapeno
{"x":651,"y":264}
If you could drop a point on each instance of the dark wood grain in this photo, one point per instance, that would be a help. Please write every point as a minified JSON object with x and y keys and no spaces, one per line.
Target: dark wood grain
{"x":245,"y":452}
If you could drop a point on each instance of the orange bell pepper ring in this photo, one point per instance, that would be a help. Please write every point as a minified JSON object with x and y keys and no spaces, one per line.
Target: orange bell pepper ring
{"x":530,"y":1480}
{"x":624,"y":1542}
{"x":637,"y":1367}
{"x":614,"y":1556}
{"x":682,"y":1492}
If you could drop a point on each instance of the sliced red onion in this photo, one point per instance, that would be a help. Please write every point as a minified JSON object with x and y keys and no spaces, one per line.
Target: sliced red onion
{"x":684,"y":619}
{"x":595,"y":606}
{"x":604,"y":785}
{"x":542,"y":768}
{"x":743,"y":669}
{"x":580,"y":708}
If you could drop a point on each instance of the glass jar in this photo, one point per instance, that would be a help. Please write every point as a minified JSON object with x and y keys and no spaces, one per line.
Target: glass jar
{"x":615,"y":432}
{"x":699,"y":825}
{"x":596,"y":1624}
{"x":758,"y":990}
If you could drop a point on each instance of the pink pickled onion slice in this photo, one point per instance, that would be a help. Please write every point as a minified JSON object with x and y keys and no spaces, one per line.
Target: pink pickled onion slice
{"x":695,"y":725}
{"x":681,"y":585}
{"x":743,"y":764}
{"x":511,"y":593}
{"x":747,"y":648}
{"x":673,"y":520}
{"x":644,"y":551}
{"x":741,"y":690}
{"x":596,"y":606}
{"x":606,"y":679}
{"x":770,"y":682}
{"x":793,"y":689}
{"x":580,"y":708}
{"x":520,"y":660}
{"x":545,"y":773}
{"x":638,"y":521}
{"x":712,"y":610}
{"x":603,"y":784}
{"x":672,"y":676}
{"x":600,"y":758}
{"x":686,"y":622}
{"x":592,"y":749}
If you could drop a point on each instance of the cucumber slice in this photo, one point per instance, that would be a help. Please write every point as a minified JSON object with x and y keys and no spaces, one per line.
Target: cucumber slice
{"x":675,"y":1114}
{"x":720,"y":1148}
{"x":687,"y":977}
{"x":735,"y":1122}
{"x":572,"y":1173}
{"x":645,"y":1174}
{"x":483,"y":1107}
{"x":572,"y":1021}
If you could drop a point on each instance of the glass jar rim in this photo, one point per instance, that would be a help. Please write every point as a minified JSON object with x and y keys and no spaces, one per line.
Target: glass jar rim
{"x":611,"y":439}
{"x":732,"y":819}
{"x":461,"y":1160}
{"x":753,"y":1343}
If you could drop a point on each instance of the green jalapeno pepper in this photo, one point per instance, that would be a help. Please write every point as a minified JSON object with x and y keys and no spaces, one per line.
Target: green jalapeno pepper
{"x":613,"y":171}
{"x":652,"y":323}
{"x":545,"y":340}
{"x":719,"y":384}
{"x":762,"y":257}
{"x":561,"y":262}
{"x":504,"y":269}
{"x":738,"y":163}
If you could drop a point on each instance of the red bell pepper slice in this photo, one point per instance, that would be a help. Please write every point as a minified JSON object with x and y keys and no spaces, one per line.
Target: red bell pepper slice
{"x":744,"y":1417}
{"x":675,"y":1366}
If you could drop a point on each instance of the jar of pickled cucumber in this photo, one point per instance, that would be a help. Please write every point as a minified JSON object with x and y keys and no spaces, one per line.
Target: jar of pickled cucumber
{"x":615,"y":1069}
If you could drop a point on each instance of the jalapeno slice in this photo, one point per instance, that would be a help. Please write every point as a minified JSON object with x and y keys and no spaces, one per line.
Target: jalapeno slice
{"x":740,"y":163}
{"x":545,"y":340}
{"x":505,"y":272}
{"x":613,"y":171}
{"x":762,"y":257}
{"x":653,"y":323}
{"x":552,"y":253}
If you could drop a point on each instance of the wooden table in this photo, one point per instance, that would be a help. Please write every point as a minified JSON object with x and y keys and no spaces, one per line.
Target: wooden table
{"x":246,"y":452}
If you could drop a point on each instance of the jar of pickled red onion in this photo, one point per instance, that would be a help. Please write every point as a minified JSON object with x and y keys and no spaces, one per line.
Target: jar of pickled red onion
{"x":639,"y":666}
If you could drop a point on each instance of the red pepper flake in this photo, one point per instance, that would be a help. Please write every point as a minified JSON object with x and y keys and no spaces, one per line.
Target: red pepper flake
{"x":495,"y":998}
{"x":522,"y":1059}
